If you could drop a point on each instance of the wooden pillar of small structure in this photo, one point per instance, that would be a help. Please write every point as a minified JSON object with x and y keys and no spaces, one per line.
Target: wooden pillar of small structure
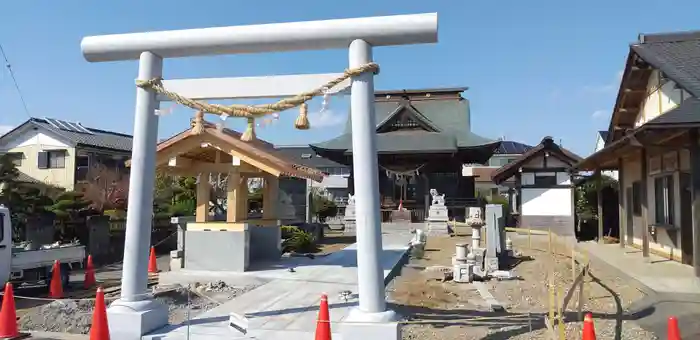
{"x":599,"y":198}
{"x":695,"y":192}
{"x":645,"y":203}
{"x":622,"y":214}
{"x":235,"y":195}
{"x":203,"y":195}
{"x":270,"y":197}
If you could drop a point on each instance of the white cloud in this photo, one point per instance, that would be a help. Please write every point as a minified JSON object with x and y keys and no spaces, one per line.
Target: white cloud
{"x":609,"y":88}
{"x":5,"y":129}
{"x":599,"y":114}
{"x":325,"y":119}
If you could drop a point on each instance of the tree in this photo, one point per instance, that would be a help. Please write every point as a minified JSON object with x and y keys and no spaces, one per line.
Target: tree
{"x":23,"y":200}
{"x":587,"y":198}
{"x":105,"y":188}
{"x":322,"y":206}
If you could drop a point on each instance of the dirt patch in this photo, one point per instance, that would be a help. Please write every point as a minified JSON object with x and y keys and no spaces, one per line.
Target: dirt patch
{"x":448,"y":310}
{"x":334,"y":241}
{"x":75,"y":316}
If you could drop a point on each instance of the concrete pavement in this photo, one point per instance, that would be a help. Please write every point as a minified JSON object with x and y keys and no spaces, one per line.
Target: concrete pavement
{"x":671,"y":288}
{"x":286,"y":306}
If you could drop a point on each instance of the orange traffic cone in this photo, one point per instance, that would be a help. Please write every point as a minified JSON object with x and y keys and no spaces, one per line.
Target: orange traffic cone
{"x":89,"y":280}
{"x":673,"y":332}
{"x":99,"y":329}
{"x":323,"y":325}
{"x":8,"y":315}
{"x":152,"y":264}
{"x":56,"y":286}
{"x":588,"y":328}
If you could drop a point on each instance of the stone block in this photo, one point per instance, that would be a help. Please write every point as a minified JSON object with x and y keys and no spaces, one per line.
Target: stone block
{"x":217,"y":250}
{"x":437,"y":228}
{"x":462,"y":273}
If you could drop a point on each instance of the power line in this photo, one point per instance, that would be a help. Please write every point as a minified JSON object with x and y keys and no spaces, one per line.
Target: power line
{"x":14,"y":80}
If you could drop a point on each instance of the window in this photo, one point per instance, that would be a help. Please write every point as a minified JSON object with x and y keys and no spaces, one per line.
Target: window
{"x":545,"y":180}
{"x":637,"y":198}
{"x":663,"y":200}
{"x":55,"y":159}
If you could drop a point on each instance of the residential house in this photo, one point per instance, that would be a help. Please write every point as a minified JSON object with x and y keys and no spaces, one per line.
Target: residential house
{"x":506,"y":153}
{"x":653,"y":143}
{"x":543,"y":194}
{"x":336,"y":181}
{"x":60,"y":153}
{"x":601,"y":137}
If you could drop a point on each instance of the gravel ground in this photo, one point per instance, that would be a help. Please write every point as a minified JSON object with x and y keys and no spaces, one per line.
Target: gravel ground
{"x":448,"y":310}
{"x":75,"y":316}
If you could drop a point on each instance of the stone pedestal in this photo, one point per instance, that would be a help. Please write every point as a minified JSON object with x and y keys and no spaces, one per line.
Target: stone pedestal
{"x":437,"y":220}
{"x":131,"y":319}
{"x":463,"y":273}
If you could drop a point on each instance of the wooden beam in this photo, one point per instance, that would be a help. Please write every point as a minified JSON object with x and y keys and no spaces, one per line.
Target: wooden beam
{"x":233,"y":197}
{"x":695,"y":194}
{"x":180,"y":147}
{"x":599,"y":196}
{"x":256,"y":162}
{"x":270,"y":197}
{"x":621,"y":201}
{"x":203,"y":196}
{"x":645,"y":203}
{"x":251,"y":87}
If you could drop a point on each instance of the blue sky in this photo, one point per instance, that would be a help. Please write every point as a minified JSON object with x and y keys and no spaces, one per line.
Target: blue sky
{"x":534,"y":68}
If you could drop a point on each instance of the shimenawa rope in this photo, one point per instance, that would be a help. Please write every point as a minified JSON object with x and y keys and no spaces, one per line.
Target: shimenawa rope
{"x":254,"y":111}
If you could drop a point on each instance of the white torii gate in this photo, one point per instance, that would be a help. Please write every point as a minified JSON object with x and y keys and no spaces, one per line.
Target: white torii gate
{"x":135,"y":314}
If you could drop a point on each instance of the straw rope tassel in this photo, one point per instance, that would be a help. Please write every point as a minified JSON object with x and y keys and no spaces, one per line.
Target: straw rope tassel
{"x":302,"y":122}
{"x":198,"y":123}
{"x":249,"y":133}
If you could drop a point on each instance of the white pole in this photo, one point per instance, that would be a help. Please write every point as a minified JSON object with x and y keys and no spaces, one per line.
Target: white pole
{"x":365,"y":168}
{"x":139,"y":216}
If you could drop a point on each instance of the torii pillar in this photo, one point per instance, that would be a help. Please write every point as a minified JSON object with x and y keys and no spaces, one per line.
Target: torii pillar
{"x":135,"y":313}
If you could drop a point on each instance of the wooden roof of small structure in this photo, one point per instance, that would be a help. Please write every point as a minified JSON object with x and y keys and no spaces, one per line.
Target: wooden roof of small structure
{"x":227,"y":144}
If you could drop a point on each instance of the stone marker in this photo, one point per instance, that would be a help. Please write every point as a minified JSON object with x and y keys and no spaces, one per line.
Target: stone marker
{"x":495,"y":229}
{"x":350,"y":218}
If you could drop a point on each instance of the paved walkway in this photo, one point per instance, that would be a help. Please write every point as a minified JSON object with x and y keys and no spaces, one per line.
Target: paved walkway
{"x":287,"y":306}
{"x":672,"y":288}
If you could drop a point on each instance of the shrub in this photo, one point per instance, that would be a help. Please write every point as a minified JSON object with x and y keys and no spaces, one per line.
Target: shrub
{"x":300,"y":242}
{"x":288,"y":231}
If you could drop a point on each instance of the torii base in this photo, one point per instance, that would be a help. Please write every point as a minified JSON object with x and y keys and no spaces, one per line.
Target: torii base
{"x":130,"y":320}
{"x":362,"y":325}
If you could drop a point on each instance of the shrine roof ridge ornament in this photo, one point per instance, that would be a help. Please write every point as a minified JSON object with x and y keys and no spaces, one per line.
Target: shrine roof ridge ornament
{"x":293,"y":36}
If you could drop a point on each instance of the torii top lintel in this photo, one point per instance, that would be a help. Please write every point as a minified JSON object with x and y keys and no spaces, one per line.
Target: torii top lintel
{"x":294,"y":36}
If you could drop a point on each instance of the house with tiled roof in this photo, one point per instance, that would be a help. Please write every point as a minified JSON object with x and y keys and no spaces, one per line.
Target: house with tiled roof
{"x":60,"y":153}
{"x":601,"y":138}
{"x":653,"y":141}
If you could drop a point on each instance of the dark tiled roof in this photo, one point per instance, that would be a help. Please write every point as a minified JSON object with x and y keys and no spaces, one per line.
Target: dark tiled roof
{"x":677,"y":55}
{"x":449,"y":117}
{"x":298,"y":154}
{"x":512,"y":147}
{"x":603,"y":134}
{"x":507,"y":171}
{"x":96,"y":138}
